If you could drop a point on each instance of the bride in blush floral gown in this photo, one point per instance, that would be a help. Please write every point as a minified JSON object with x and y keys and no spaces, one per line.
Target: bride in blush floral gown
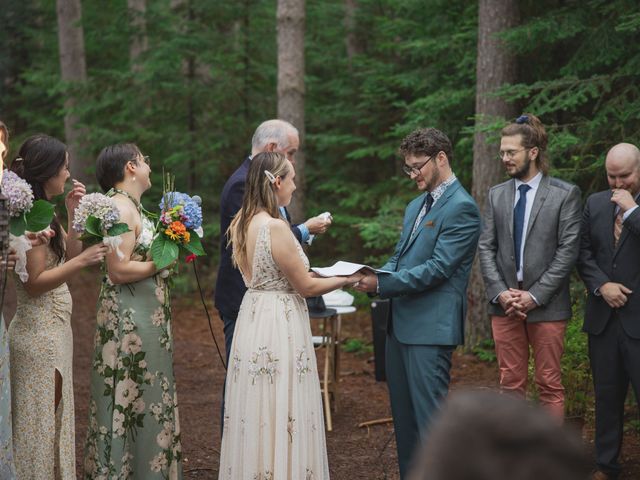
{"x":273,"y":422}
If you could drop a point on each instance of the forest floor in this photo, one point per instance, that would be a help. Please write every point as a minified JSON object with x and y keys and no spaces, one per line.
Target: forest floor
{"x":354,"y":453}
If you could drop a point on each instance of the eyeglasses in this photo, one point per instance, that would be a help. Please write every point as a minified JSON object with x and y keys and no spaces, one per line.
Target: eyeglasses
{"x":415,"y":169}
{"x":510,"y":153}
{"x":145,"y":158}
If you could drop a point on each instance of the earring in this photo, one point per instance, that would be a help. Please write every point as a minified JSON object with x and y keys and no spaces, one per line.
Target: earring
{"x":134,"y":179}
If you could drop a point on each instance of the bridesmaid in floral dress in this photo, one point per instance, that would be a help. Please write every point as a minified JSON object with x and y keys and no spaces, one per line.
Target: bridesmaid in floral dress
{"x":40,"y":336}
{"x":134,"y":431}
{"x":7,"y":470}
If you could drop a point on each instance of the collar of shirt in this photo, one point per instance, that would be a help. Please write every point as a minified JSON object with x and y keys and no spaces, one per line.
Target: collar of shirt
{"x":534,"y":183}
{"x":440,"y":189}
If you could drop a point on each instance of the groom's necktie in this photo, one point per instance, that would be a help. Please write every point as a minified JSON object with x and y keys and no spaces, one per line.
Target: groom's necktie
{"x":518,"y":221}
{"x":426,"y":206}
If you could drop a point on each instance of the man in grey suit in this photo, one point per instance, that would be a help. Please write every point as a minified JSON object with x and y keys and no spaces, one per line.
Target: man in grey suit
{"x":528,"y":247}
{"x":426,"y":280}
{"x":609,"y":265}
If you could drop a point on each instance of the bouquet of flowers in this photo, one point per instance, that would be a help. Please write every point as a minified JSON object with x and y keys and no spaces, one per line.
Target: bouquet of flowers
{"x":97,"y":220}
{"x":25,"y":214}
{"x":179,"y":227}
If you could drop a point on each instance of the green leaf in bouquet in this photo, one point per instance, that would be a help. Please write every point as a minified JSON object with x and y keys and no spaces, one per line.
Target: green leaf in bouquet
{"x":118,"y":229}
{"x":17,"y":225}
{"x":40,"y":216}
{"x":164,"y":252}
{"x":90,"y":238}
{"x":195,"y":245}
{"x":92,"y":226}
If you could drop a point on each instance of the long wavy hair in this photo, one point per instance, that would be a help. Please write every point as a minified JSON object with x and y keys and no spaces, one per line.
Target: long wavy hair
{"x":40,"y":158}
{"x":259,"y":194}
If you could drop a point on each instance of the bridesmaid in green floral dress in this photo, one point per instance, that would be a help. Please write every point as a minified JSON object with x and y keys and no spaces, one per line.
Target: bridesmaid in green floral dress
{"x":134,"y":431}
{"x":7,"y":470}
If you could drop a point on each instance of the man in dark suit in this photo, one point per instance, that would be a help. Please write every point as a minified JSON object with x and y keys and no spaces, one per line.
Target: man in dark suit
{"x":270,"y":136}
{"x":426,"y":280}
{"x":609,"y":264}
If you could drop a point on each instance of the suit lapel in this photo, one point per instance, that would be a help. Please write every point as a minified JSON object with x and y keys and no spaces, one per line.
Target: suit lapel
{"x":409,"y":227}
{"x":511,"y":201}
{"x":434,"y":211}
{"x":538,"y":201}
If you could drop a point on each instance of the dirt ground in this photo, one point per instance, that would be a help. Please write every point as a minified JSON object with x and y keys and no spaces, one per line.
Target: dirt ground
{"x":354,"y":453}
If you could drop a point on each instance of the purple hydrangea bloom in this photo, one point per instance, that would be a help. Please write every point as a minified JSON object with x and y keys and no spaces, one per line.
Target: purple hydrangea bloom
{"x":99,"y":206}
{"x":18,"y":192}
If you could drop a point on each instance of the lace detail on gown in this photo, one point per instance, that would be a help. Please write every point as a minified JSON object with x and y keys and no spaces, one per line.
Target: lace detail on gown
{"x":265,"y":274}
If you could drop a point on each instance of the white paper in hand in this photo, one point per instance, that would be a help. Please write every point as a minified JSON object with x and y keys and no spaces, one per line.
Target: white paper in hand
{"x":344,"y":269}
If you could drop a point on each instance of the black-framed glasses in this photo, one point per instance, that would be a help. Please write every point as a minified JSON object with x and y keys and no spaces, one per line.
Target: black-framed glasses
{"x":510,"y":153}
{"x":415,"y":169}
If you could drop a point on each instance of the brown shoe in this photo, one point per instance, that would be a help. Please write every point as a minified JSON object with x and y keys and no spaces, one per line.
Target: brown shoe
{"x":600,"y":475}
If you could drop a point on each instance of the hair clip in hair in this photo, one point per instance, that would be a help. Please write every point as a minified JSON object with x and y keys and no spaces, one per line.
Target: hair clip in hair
{"x":522,"y":119}
{"x":18,"y":159}
{"x":270,"y":176}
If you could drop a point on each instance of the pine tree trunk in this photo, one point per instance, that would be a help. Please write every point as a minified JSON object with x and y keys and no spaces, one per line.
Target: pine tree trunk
{"x":291,"y":25}
{"x":139,"y":41}
{"x":73,"y":70}
{"x":495,"y":67}
{"x":352,"y":44}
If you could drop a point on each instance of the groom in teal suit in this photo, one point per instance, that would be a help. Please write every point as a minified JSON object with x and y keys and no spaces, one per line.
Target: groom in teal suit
{"x":426,"y":280}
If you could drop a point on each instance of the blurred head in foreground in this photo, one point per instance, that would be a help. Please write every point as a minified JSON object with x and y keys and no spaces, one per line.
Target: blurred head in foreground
{"x":483,"y":435}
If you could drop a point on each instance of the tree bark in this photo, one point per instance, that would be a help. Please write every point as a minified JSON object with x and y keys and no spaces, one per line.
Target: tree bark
{"x":495,"y":66}
{"x":73,"y":71}
{"x":139,"y":40}
{"x":352,"y":44}
{"x":291,"y":26}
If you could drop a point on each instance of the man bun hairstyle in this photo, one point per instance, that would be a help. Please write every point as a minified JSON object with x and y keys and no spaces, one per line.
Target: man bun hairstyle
{"x":533,"y":134}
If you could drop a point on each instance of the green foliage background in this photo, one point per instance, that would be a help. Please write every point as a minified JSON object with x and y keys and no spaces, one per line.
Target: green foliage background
{"x":209,"y":77}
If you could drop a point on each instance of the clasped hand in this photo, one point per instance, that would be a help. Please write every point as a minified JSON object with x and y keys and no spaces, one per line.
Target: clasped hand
{"x":615,"y":294}
{"x":516,"y":303}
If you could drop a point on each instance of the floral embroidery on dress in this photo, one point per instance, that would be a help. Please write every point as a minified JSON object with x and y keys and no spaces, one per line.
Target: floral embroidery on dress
{"x":236,"y":366}
{"x":262,"y":362}
{"x":302,"y":363}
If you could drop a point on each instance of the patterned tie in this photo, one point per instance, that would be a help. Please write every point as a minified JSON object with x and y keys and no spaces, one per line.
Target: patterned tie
{"x":518,"y":221}
{"x":617,"y":228}
{"x":426,"y":206}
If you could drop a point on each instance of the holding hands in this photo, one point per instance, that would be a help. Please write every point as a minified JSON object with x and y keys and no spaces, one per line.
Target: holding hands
{"x":368,"y":283}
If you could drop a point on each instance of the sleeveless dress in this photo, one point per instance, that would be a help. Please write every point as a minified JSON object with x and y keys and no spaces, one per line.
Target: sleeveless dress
{"x":40,"y":342}
{"x":134,"y":430}
{"x":273,"y":421}
{"x":7,"y":470}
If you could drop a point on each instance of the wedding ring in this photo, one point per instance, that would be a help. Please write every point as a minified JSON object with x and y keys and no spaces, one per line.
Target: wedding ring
{"x":356,"y":284}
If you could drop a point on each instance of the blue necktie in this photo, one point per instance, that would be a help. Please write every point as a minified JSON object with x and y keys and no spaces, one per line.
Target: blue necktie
{"x":518,"y":221}
{"x":426,"y":206}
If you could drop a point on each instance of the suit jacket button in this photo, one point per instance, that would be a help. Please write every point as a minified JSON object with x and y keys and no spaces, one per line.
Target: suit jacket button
{"x":614,"y":265}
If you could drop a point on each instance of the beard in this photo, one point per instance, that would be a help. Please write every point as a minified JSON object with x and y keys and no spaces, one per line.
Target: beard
{"x":523,"y":171}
